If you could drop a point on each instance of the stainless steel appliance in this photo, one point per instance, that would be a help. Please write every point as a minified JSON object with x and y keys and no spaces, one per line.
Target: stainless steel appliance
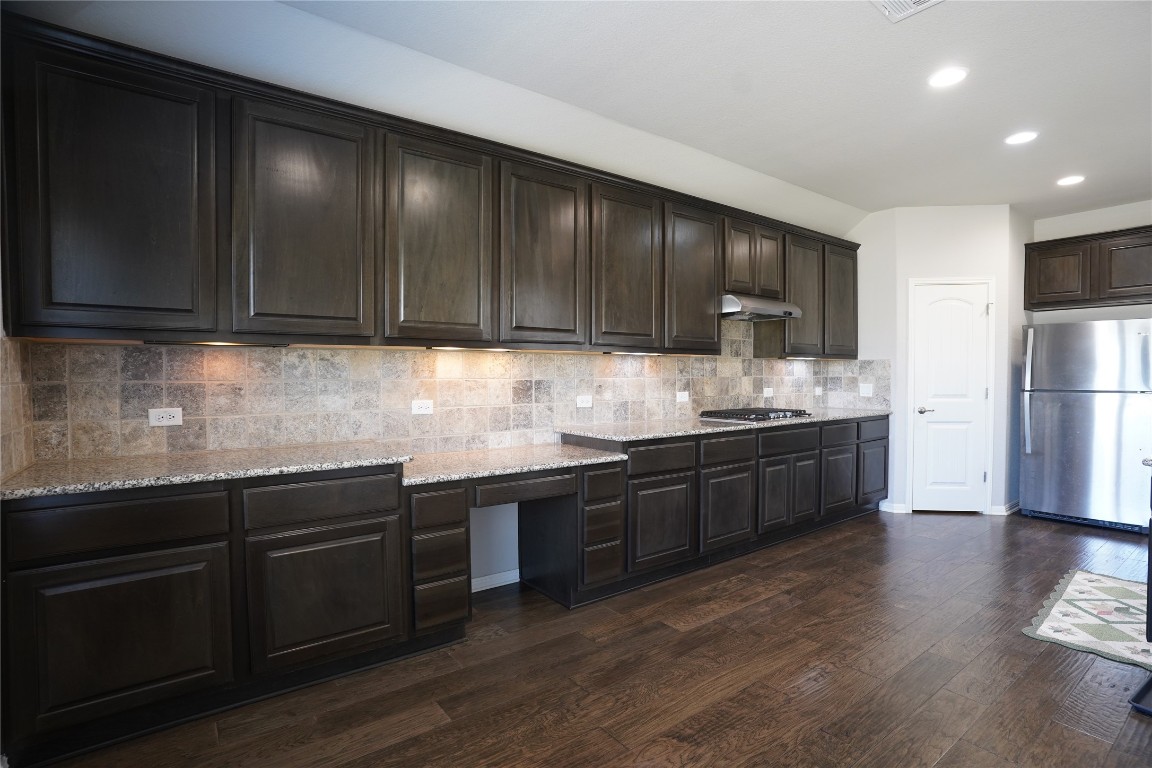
{"x":753,"y":414}
{"x":1087,"y":422}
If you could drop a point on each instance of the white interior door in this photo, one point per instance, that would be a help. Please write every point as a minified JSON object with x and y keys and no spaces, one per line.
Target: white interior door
{"x":950,"y":325}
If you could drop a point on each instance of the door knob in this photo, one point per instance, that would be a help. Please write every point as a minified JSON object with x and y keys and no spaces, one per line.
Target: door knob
{"x":922,"y":409}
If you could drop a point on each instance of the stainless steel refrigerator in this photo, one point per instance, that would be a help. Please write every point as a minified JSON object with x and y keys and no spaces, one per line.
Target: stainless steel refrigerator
{"x":1087,"y":422}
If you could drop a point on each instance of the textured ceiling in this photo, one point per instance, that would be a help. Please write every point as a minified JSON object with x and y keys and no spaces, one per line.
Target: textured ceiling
{"x":831,"y":96}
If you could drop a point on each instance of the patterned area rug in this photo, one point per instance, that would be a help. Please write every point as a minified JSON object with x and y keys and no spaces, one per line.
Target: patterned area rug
{"x":1098,"y":614}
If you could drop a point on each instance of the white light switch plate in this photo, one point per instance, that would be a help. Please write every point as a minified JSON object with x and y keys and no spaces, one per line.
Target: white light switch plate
{"x":583,"y":401}
{"x":681,"y":397}
{"x":422,"y":407}
{"x":865,"y":389}
{"x":165,"y":417}
{"x":767,"y":391}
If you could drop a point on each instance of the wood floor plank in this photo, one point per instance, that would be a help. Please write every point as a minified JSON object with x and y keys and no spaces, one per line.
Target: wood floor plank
{"x":964,"y":754}
{"x":1010,"y":726}
{"x":926,"y":736}
{"x":986,"y":677}
{"x":1098,"y":704}
{"x":1059,"y":746}
{"x":1135,"y":736}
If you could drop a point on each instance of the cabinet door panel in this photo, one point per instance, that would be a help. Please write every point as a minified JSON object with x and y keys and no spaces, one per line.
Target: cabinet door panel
{"x":627,"y":268}
{"x":804,"y":276}
{"x":602,"y":563}
{"x":1125,"y":267}
{"x":838,"y":479}
{"x":662,"y":516}
{"x":442,"y":603}
{"x":322,"y":592}
{"x":840,"y":320}
{"x":115,"y":194}
{"x":691,"y":279}
{"x":806,"y":486}
{"x":872,"y":472}
{"x":739,"y":256}
{"x":543,"y":255}
{"x":439,"y":243}
{"x":776,"y":480}
{"x":103,"y":636}
{"x":727,"y":497}
{"x":303,"y":222}
{"x":1057,"y":275}
{"x":769,"y":263}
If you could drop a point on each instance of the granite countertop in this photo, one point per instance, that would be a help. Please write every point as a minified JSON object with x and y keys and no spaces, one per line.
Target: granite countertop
{"x":465,"y":465}
{"x":652,"y":430}
{"x":50,"y":478}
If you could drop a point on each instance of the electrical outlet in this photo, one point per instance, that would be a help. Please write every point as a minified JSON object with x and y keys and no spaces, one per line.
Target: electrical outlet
{"x":819,"y":391}
{"x":767,"y":391}
{"x":681,"y":397}
{"x":422,"y":407}
{"x":165,"y":417}
{"x":583,"y":401}
{"x":865,"y":389}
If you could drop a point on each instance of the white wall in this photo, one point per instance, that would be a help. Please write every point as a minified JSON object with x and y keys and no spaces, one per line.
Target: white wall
{"x":280,"y":44}
{"x":494,"y":540}
{"x":1090,"y":222}
{"x":943,"y":242}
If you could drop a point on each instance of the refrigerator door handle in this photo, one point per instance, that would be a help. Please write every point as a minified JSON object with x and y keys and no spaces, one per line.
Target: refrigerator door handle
{"x":1027,"y":422}
{"x":1028,"y":359}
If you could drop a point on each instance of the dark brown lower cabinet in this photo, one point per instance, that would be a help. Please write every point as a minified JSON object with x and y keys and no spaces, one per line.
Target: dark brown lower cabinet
{"x":100,"y":637}
{"x":872,"y":471}
{"x":447,"y":601}
{"x":789,"y":490}
{"x":837,"y":479}
{"x":727,"y":498}
{"x":662,"y":517}
{"x":323,"y":592}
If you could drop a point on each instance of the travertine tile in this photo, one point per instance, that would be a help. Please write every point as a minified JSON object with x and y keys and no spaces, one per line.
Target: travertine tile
{"x":184,"y":364}
{"x":94,"y":438}
{"x":50,"y":440}
{"x":265,"y":364}
{"x":141,"y":363}
{"x":139,"y":439}
{"x":298,"y":364}
{"x":188,"y":396}
{"x":93,"y":401}
{"x":225,"y":364}
{"x":50,"y":402}
{"x":224,"y":399}
{"x":192,"y":435}
{"x":137,"y":397}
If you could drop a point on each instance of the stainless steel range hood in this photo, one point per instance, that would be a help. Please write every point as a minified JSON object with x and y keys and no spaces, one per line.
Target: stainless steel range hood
{"x":735,"y":306}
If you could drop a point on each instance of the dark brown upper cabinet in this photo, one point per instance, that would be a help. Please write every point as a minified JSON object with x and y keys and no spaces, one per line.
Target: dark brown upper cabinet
{"x":1103,"y":269}
{"x":438,"y":238}
{"x":753,"y":259}
{"x":114,"y":196}
{"x":303,"y":222}
{"x":691,"y":279}
{"x":821,"y":280}
{"x":627,"y":268}
{"x":840,"y":317}
{"x":543,"y":255}
{"x":804,"y":272}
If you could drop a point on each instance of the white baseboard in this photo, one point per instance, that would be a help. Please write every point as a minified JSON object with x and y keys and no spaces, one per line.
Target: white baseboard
{"x":495,"y":580}
{"x":1008,"y":509}
{"x":889,"y":506}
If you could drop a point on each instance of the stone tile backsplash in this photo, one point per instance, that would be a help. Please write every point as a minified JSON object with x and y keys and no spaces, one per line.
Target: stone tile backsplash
{"x":85,"y":400}
{"x":16,"y":444}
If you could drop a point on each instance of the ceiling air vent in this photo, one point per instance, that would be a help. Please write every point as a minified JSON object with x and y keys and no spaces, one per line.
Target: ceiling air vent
{"x":898,"y":10}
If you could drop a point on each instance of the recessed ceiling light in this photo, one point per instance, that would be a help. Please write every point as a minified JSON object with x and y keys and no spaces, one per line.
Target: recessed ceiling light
{"x":947,"y":76}
{"x":1068,"y":181}
{"x":1020,"y":138}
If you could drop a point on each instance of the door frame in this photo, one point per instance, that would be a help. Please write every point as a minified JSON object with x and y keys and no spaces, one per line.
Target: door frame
{"x":989,"y":380}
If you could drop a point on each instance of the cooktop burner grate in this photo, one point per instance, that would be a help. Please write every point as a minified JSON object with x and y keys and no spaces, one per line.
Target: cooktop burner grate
{"x":753,"y":414}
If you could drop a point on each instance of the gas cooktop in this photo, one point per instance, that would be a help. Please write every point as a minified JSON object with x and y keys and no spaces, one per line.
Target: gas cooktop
{"x":753,"y":414}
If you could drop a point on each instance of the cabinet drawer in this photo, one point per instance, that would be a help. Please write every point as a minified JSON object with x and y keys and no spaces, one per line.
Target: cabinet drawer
{"x":439,"y":508}
{"x":301,"y":502}
{"x":441,"y":602}
{"x":603,"y":483}
{"x":661,"y":458}
{"x":726,"y":449}
{"x":603,"y":522}
{"x":525,"y":490}
{"x":789,"y":441}
{"x":603,"y":562}
{"x":873,"y":430}
{"x":838,"y":434}
{"x":436,"y":555}
{"x":64,"y":530}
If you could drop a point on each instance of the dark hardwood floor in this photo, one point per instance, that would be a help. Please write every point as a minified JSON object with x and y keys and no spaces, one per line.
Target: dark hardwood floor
{"x":890,"y":640}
